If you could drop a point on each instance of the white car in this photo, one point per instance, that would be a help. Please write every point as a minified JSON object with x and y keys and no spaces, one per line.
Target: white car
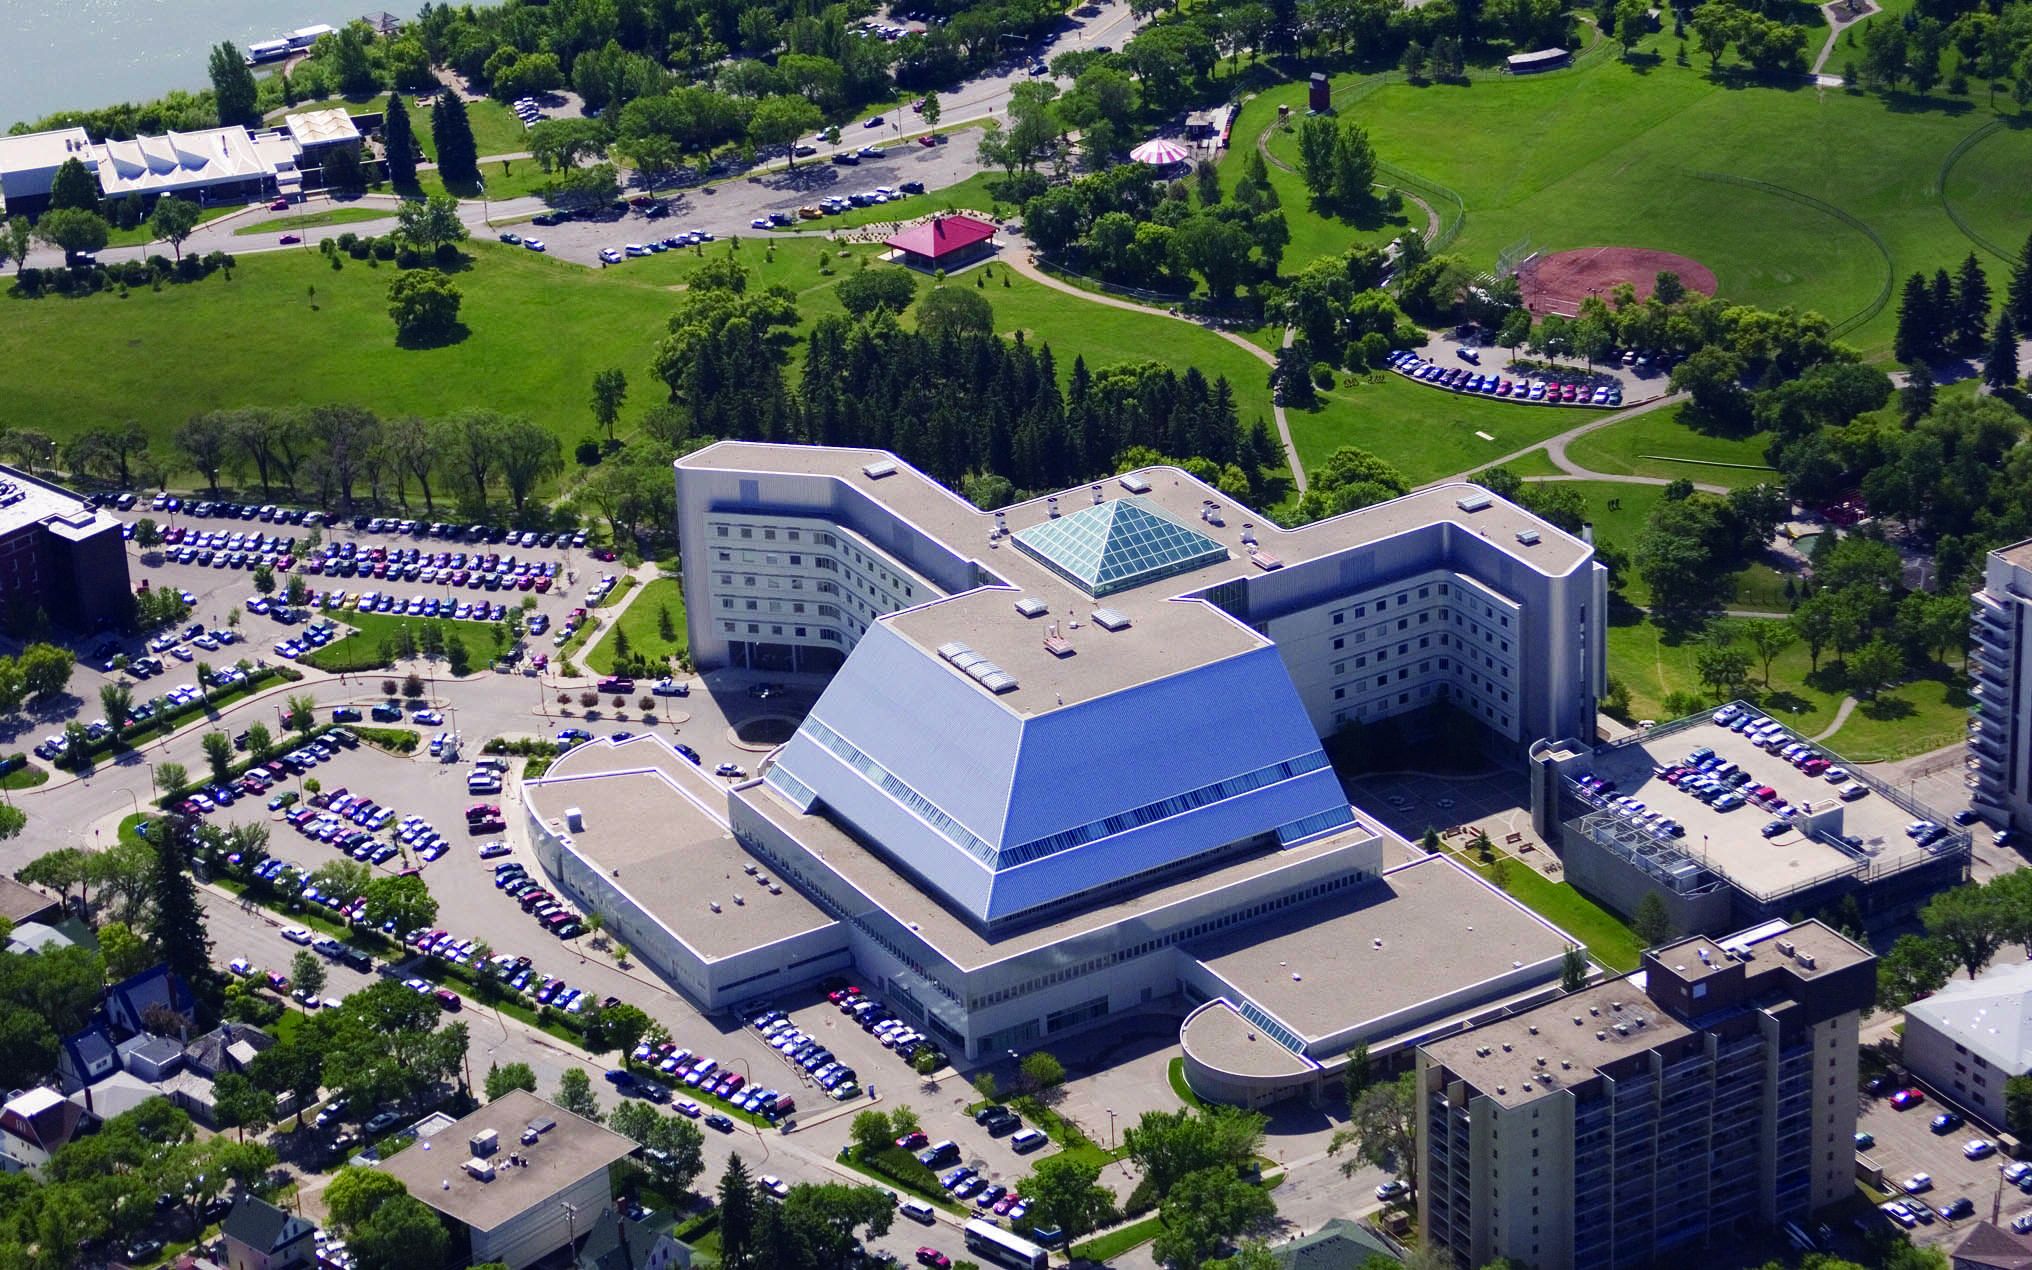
{"x":1899,"y":1213}
{"x":637,"y":249}
{"x":534,"y":244}
{"x":1919,"y":1184}
{"x":2022,"y":1223}
{"x":296,"y":935}
{"x":609,"y":255}
{"x":774,"y":1185}
{"x":431,"y":717}
{"x":1978,"y":1149}
{"x":240,"y":966}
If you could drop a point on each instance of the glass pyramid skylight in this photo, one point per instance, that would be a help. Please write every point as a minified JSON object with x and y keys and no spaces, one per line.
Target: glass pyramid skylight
{"x":1117,"y":545}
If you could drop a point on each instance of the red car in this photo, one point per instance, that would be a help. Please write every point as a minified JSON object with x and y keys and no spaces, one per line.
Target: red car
{"x":913,"y":1140}
{"x":290,"y":240}
{"x":1906,"y":1099}
{"x":933,"y":1257}
{"x":279,"y":205}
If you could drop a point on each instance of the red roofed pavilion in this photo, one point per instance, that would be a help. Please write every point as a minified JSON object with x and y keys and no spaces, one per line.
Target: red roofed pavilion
{"x":943,"y":242}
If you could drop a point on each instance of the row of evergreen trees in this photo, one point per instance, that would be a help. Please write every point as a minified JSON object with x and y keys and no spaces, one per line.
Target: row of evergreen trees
{"x":1949,"y":316}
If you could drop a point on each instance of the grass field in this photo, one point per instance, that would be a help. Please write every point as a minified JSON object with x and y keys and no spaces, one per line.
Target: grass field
{"x":496,"y":130}
{"x":1426,"y":433}
{"x":1644,"y":446}
{"x":308,"y":220}
{"x":643,"y":627}
{"x":504,"y":179}
{"x":1619,"y":512}
{"x":1578,"y":158}
{"x":371,"y":629}
{"x":141,"y":234}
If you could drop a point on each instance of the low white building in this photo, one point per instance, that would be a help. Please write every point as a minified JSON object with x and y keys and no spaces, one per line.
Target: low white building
{"x":216,"y":165}
{"x":1970,"y":1037}
{"x":28,"y":165}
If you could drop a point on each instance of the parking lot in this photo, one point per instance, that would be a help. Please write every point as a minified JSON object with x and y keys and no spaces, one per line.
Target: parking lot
{"x":1905,"y":1144}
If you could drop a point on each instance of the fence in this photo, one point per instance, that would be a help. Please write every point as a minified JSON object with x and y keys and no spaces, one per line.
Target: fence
{"x":1954,"y":156}
{"x":1883,"y":296}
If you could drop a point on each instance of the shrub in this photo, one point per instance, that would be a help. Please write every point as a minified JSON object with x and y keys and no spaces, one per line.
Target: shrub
{"x":1322,"y":375}
{"x":384,"y":248}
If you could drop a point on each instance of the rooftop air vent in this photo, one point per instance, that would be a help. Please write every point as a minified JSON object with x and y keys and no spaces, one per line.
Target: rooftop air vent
{"x":1031,"y":606}
{"x":1134,"y":483}
{"x":1529,"y":537}
{"x":1210,"y":512}
{"x":1111,"y":620}
{"x":1051,"y":505}
{"x":738,"y":901}
{"x":999,"y":682}
{"x":1533,"y":1028}
{"x":1785,"y":947}
{"x":1601,"y":1036}
{"x":880,"y":468}
{"x":1058,"y":646}
{"x":1506,"y":1047}
{"x":1564,"y":1065}
{"x":1480,"y":500}
{"x":952,"y":650}
{"x":775,"y":889}
{"x":1248,"y":534}
{"x":1622,"y":1029}
{"x":713,"y":905}
{"x":1097,"y":495}
{"x":1805,"y":960}
{"x":748,"y":869}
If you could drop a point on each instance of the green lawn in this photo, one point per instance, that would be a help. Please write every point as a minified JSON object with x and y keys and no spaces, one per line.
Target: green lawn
{"x":1536,"y":463}
{"x":1985,"y":187}
{"x":1426,"y":433}
{"x":1610,"y":153}
{"x":1606,"y":938}
{"x":640,"y":621}
{"x":141,"y":235}
{"x":330,"y":216}
{"x":496,"y":130}
{"x":1646,"y":444}
{"x":371,"y":630}
{"x":1104,"y":1248}
{"x":537,"y":328}
{"x":1911,"y":718}
{"x":508,"y":178}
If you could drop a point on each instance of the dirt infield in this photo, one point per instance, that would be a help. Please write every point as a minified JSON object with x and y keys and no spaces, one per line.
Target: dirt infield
{"x":1559,"y":282}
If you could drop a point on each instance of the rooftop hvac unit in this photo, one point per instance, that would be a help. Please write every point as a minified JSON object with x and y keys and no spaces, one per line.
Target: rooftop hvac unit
{"x":575,"y":820}
{"x":880,"y":468}
{"x":1805,"y":960}
{"x":952,"y":650}
{"x":1785,"y":947}
{"x":738,"y":901}
{"x":1111,"y":619}
{"x":1051,"y":505}
{"x":485,"y":1143}
{"x":775,"y":889}
{"x":748,"y":869}
{"x":1058,"y":646}
{"x":1248,"y":534}
{"x":1265,"y":561}
{"x":1529,"y":537}
{"x":1478,"y":501}
{"x":1134,"y":483}
{"x":1000,"y":682}
{"x":713,"y":905}
{"x":1031,"y":606}
{"x":481,"y":1169}
{"x":966,"y":661}
{"x":1210,"y":512}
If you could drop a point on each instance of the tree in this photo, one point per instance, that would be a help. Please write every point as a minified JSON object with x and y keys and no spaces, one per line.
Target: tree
{"x":172,"y":221}
{"x":619,"y":1027}
{"x":238,"y":1103}
{"x":1573,"y":970}
{"x":956,"y":312}
{"x":1721,"y":668}
{"x":1770,"y":639}
{"x":233,"y":88}
{"x":406,"y":901}
{"x":502,"y":1080}
{"x":19,"y":234}
{"x":2018,"y":1106}
{"x":403,"y":1232}
{"x":1316,"y":144}
{"x":2017,"y":297}
{"x":302,"y":711}
{"x":307,"y":972}
{"x":73,"y":187}
{"x":425,"y":306}
{"x":399,"y":140}
{"x":457,"y":156}
{"x":780,"y":121}
{"x":73,"y":229}
{"x":428,"y":224}
{"x":930,"y":111}
{"x":1383,"y":1131}
{"x":1970,"y":922}
{"x":117,"y":700}
{"x":1914,"y":967}
{"x":1357,"y":1076}
{"x":737,"y":1213}
{"x":575,"y":1094}
{"x":610,"y":389}
{"x":559,"y":144}
{"x":178,"y":923}
{"x":679,"y":1142}
{"x":867,"y":290}
{"x":2000,"y":368}
{"x":1651,"y":923}
{"x":60,"y":870}
{"x":1066,"y":1193}
{"x":822,"y":1219}
{"x":1170,"y":1144}
{"x":1203,"y":1211}
{"x":1713,"y":27}
{"x":1875,"y":664}
{"x":1631,"y":17}
{"x":872,"y":1131}
{"x":218,"y":753}
{"x":1042,"y":1071}
{"x":171,"y":778}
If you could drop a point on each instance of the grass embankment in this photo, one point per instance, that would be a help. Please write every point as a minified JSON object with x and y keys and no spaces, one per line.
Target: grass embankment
{"x":1104,"y":1248}
{"x":362,"y":650}
{"x":660,"y":607}
{"x":1424,"y":433}
{"x":281,"y":224}
{"x":142,"y":235}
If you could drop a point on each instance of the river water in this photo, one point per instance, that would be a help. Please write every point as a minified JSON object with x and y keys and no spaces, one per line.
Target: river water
{"x":56,"y":54}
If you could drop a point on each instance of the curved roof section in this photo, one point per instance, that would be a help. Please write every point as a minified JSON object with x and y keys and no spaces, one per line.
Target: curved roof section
{"x":1113,"y":546}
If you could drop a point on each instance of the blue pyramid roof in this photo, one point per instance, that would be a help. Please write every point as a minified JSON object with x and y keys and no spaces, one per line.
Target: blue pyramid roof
{"x":1116,"y":545}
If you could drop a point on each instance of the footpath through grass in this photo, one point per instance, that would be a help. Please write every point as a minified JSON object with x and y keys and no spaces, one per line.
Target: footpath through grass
{"x":1424,"y":432}
{"x":1661,"y":444}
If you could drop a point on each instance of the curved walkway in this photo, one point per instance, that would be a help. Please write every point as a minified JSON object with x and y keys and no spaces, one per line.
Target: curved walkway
{"x":1555,"y":449}
{"x":1841,"y":716}
{"x":1019,"y":260}
{"x":1839,"y":17}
